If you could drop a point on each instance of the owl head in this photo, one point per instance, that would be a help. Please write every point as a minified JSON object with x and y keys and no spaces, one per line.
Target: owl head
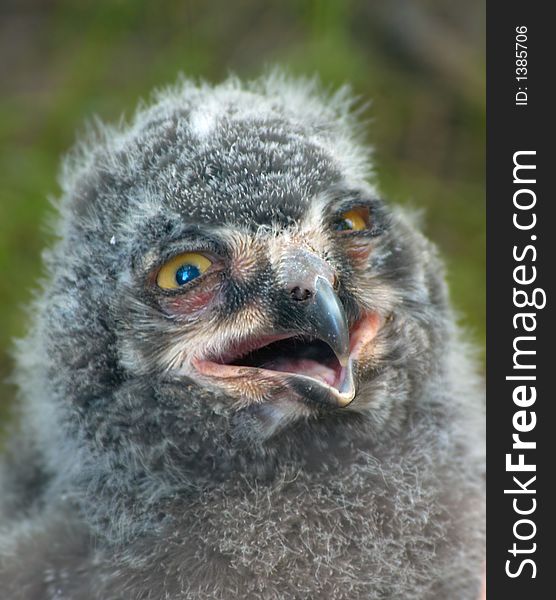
{"x":227,"y":281}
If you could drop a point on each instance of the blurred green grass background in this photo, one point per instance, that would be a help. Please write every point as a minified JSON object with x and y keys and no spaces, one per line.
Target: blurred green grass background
{"x":421,"y":65}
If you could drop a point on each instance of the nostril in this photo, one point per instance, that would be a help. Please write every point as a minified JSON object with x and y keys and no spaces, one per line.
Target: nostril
{"x":300,"y":294}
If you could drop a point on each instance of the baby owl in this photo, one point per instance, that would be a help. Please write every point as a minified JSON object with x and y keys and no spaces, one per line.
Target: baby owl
{"x":242,"y":377}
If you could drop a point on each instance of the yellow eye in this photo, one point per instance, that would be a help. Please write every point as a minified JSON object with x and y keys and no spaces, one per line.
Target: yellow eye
{"x":353,"y":220}
{"x":182,"y":269}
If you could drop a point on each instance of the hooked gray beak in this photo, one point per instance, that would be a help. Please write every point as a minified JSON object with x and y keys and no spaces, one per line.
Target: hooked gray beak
{"x":326,"y":319}
{"x":315,"y":310}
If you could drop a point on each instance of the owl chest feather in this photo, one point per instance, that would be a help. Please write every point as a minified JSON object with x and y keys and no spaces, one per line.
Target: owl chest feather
{"x":373,"y":528}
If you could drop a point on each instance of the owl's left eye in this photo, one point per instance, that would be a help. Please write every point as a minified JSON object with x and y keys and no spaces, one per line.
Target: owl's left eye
{"x":356,"y":219}
{"x":182,"y":269}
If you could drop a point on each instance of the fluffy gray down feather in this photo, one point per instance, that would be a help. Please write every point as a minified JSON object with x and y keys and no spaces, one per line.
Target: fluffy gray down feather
{"x":130,"y":477}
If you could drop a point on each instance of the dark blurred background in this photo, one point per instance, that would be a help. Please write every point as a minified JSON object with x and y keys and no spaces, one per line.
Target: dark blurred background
{"x":421,"y":64}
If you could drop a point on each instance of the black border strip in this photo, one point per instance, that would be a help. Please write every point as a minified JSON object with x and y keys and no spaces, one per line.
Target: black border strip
{"x":512,"y":128}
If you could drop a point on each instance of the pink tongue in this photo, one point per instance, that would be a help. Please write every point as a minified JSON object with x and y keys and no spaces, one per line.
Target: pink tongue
{"x":304,"y":366}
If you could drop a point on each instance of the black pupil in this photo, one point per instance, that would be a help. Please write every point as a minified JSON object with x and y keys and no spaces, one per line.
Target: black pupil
{"x":343,"y":225}
{"x":186,"y":273}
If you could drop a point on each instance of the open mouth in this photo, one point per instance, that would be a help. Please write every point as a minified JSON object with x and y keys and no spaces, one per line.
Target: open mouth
{"x":297,"y":355}
{"x":303,"y":362}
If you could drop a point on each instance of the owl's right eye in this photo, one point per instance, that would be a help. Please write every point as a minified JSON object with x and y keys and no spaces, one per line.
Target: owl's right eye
{"x":182,"y":269}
